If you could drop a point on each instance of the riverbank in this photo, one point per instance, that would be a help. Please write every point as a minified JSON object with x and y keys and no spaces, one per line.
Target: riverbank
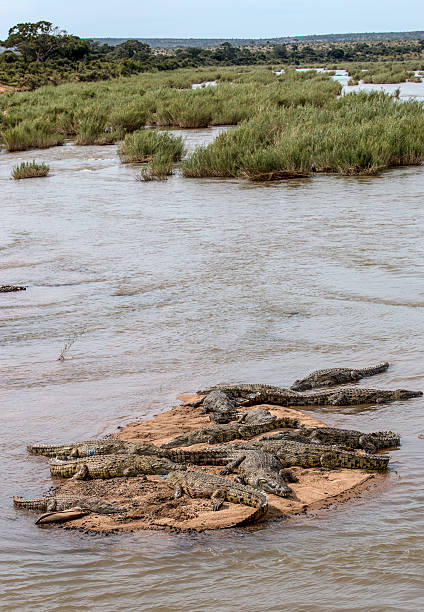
{"x":150,"y":503}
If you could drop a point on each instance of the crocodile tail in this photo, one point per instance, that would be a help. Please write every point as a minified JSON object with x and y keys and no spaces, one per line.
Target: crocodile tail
{"x":198,"y":457}
{"x":49,"y":450}
{"x":37,"y":503}
{"x":380,"y":367}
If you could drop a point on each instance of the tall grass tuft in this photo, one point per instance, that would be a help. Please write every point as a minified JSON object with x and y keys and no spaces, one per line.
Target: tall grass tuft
{"x":158,"y":169}
{"x":27,"y":136}
{"x":143,"y":145}
{"x":30,"y":170}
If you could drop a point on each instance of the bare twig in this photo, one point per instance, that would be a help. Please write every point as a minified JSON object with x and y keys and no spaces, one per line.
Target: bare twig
{"x":68,"y":344}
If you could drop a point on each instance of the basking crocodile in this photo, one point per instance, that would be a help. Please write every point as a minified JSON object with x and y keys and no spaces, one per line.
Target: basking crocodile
{"x":250,"y":416}
{"x":62,"y":502}
{"x":344,"y":396}
{"x":93,"y":447}
{"x":263,"y":471}
{"x":314,"y":455}
{"x":370,"y":442}
{"x":238,"y":392}
{"x":231,"y":431}
{"x":336,"y":376}
{"x":218,"y":401}
{"x":199,"y":484}
{"x":256,"y":468}
{"x":111,"y":466}
{"x":10,"y":288}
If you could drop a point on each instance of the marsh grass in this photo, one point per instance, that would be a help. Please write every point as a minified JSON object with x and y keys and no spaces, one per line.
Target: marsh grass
{"x":143,"y":145}
{"x":30,"y":170}
{"x":357,"y":134}
{"x":27,"y":136}
{"x":158,"y":169}
{"x":285,"y":122}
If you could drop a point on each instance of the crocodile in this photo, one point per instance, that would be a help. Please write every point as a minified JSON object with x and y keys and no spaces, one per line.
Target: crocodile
{"x":111,"y":466}
{"x":370,"y":442}
{"x":93,"y":447}
{"x":61,"y":502}
{"x":218,"y":401}
{"x":242,"y":389}
{"x":313,"y":455}
{"x":10,"y":288}
{"x":337,"y":376}
{"x":250,"y":416}
{"x":344,"y":396}
{"x":263,"y":471}
{"x":256,"y":468}
{"x":199,"y":484}
{"x":232,"y":431}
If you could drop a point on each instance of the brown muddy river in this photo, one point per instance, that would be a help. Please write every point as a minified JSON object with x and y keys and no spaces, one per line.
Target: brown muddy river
{"x":172,"y":286}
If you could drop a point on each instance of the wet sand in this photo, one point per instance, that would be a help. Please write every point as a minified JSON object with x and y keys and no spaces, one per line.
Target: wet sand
{"x":150,"y":503}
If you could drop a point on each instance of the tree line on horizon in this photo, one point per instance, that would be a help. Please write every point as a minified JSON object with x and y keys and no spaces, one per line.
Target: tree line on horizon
{"x":40,"y":54}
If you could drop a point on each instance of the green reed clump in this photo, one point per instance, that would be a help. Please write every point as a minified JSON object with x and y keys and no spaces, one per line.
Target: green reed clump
{"x":143,"y":145}
{"x":28,"y":135}
{"x":158,"y":169}
{"x":30,"y":170}
{"x":94,"y":130}
{"x":357,"y":134}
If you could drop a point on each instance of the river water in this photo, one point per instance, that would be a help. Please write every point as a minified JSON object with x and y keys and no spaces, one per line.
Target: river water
{"x":168,"y":287}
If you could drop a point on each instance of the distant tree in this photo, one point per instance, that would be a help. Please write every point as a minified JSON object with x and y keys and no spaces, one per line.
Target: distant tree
{"x":336,"y":54}
{"x":279,"y":51}
{"x":42,"y":41}
{"x":132,"y":49}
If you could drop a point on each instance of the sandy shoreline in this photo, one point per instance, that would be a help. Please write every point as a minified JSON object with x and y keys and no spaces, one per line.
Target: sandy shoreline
{"x":150,"y":503}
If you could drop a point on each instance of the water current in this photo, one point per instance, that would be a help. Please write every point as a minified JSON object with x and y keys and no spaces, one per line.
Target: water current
{"x":170,"y":286}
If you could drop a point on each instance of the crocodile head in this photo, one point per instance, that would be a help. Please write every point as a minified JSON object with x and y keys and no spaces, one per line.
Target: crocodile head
{"x":301,"y":385}
{"x":406,"y":394}
{"x":271,"y":483}
{"x":145,"y":448}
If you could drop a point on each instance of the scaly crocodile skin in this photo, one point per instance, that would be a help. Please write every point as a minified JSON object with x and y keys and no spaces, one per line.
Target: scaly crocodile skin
{"x":255,"y":468}
{"x":337,"y":376}
{"x":60,"y":502}
{"x":232,"y":431}
{"x":199,"y":484}
{"x":111,"y":466}
{"x":92,"y":447}
{"x":370,"y":442}
{"x":314,"y":455}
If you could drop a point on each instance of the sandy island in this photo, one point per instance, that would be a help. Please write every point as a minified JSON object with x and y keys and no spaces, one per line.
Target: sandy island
{"x":150,"y":503}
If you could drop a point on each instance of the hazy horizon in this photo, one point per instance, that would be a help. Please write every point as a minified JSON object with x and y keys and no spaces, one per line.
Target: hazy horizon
{"x":219,"y":19}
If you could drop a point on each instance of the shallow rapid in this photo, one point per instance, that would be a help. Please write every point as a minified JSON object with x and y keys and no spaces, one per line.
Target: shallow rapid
{"x":173,"y":286}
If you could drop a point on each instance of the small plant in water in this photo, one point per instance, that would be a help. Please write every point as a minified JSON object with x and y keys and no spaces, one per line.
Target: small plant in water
{"x":30,"y":170}
{"x":68,"y":345}
{"x":158,"y":169}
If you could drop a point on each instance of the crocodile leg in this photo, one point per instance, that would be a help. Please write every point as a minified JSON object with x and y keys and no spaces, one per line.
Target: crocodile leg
{"x":328,"y":460}
{"x":51,"y":506}
{"x":178,"y":491}
{"x":367,"y":445}
{"x":288,"y":475}
{"x":82,"y":473}
{"x":232,"y":465}
{"x":218,"y":498}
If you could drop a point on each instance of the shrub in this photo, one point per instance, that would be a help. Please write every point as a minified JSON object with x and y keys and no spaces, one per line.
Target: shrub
{"x":141,"y":146}
{"x":30,"y":170}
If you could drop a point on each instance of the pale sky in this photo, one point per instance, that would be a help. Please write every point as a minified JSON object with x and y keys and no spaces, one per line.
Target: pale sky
{"x":215,"y":19}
